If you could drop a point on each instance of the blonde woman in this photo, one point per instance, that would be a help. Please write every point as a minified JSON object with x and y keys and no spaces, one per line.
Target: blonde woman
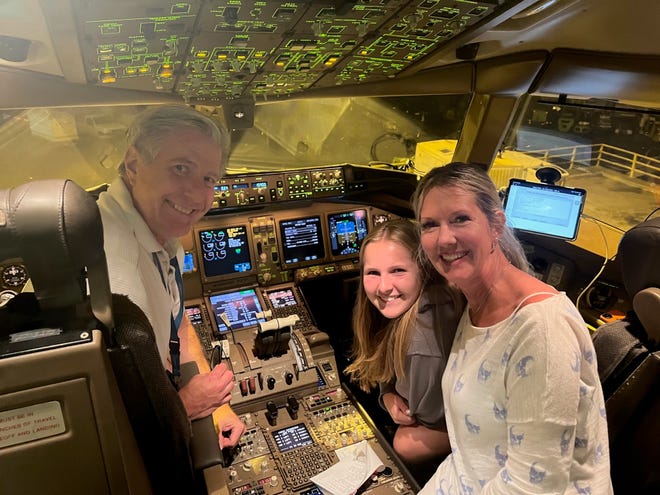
{"x":525,"y":409}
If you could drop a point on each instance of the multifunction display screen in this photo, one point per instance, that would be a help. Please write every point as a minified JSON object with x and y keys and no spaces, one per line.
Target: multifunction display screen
{"x":302,"y":240}
{"x":239,"y":307}
{"x":346,"y":231}
{"x":282,"y":298}
{"x":225,"y":251}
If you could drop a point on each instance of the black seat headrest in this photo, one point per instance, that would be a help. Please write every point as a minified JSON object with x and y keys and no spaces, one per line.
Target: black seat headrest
{"x":639,"y":255}
{"x":55,"y":228}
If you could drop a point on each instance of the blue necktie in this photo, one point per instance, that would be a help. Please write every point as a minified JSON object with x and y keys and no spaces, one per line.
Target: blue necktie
{"x":175,"y":352}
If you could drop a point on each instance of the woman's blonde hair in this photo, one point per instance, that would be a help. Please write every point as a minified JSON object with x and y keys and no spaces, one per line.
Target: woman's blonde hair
{"x":380,"y":344}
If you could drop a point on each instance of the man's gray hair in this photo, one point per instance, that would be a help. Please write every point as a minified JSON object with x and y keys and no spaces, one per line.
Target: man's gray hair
{"x":150,"y":127}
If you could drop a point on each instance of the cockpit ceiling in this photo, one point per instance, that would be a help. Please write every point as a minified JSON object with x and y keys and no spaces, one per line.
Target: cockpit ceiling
{"x":212,"y":51}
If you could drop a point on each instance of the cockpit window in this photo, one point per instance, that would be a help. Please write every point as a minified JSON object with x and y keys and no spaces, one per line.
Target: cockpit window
{"x":87,"y":143}
{"x":611,"y":151}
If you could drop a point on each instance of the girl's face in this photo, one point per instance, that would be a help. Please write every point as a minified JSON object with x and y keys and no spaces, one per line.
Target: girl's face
{"x":456,"y":235}
{"x":390,"y":277}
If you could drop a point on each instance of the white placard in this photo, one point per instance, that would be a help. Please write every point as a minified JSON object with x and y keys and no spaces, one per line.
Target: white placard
{"x":31,"y":423}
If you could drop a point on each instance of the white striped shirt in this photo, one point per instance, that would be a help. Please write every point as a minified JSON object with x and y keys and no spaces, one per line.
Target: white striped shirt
{"x":129,"y":247}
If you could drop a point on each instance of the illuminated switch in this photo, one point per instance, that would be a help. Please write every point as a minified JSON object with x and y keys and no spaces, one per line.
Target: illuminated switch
{"x":107,"y":76}
{"x":243,"y":385}
{"x":331,"y":60}
{"x":166,"y":71}
{"x":252,"y":385}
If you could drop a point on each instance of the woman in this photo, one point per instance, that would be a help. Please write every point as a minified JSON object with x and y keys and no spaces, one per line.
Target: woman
{"x":525,"y":409}
{"x":396,"y":344}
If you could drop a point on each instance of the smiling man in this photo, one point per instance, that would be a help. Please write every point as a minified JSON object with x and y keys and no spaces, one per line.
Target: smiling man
{"x":166,"y":182}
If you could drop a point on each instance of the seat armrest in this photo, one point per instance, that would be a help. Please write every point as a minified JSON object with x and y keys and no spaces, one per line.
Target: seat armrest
{"x":204,"y":446}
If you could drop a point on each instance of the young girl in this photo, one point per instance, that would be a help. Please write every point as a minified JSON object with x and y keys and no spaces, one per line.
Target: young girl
{"x":404,"y":322}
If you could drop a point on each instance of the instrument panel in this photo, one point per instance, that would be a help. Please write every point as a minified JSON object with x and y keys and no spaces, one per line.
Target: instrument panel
{"x":260,"y":190}
{"x":250,"y":265}
{"x":13,"y":278}
{"x":296,"y":244}
{"x":281,"y":454}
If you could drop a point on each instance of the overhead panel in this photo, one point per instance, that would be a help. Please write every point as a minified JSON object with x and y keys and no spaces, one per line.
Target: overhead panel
{"x":217,"y":50}
{"x":136,"y":46}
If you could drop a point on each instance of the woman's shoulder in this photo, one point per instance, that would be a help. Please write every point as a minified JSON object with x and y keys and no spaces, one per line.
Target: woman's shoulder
{"x":532,"y":290}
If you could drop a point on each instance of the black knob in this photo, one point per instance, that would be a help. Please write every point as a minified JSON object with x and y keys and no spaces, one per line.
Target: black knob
{"x":288,"y":377}
{"x":270,"y":383}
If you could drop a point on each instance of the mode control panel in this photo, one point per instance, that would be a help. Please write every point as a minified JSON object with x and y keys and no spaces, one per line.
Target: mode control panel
{"x":254,"y":190}
{"x":249,"y":190}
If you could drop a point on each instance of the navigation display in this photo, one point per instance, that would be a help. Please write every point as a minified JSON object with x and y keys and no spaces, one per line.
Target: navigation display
{"x":225,"y":251}
{"x":544,"y":208}
{"x":302,"y":241}
{"x":239,"y":307}
{"x":346,"y":231}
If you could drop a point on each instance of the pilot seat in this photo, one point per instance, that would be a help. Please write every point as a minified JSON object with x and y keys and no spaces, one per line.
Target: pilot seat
{"x":629,"y":366}
{"x":85,"y":403}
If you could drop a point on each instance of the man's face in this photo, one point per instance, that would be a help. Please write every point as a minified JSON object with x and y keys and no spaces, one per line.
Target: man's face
{"x":175,"y":190}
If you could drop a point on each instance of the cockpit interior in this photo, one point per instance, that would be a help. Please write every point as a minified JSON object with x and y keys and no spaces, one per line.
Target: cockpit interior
{"x":336,"y":109}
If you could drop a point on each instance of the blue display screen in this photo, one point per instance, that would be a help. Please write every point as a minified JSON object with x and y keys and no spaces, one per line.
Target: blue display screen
{"x":346,"y":231}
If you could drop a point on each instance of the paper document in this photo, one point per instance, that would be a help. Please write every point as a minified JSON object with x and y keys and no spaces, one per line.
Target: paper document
{"x":356,"y":464}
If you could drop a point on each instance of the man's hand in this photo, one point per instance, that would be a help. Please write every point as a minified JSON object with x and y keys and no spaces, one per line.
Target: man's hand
{"x":207,"y":391}
{"x":398,"y":409}
{"x":230,"y":426}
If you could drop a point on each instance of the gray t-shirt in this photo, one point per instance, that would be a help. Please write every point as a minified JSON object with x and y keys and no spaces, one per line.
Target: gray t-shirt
{"x":426,"y":359}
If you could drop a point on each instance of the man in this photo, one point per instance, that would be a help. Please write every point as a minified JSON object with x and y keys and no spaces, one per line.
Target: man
{"x":174,"y":158}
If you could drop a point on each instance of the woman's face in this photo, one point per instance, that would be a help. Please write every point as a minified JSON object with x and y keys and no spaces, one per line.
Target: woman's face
{"x":456,"y":235}
{"x":390,"y":277}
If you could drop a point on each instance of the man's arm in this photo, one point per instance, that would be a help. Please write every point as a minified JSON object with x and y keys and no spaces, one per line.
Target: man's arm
{"x":190,"y":346}
{"x":227,"y":422}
